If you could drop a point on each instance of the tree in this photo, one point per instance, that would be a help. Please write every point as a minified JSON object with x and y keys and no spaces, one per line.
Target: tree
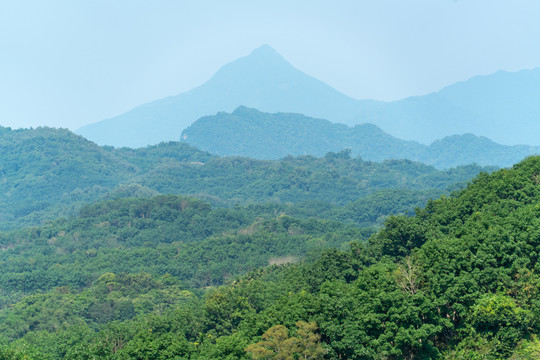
{"x":406,"y":276}
{"x":309,"y":341}
{"x":277,"y":345}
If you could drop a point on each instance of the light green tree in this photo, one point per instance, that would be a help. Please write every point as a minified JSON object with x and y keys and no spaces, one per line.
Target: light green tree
{"x":278,"y":345}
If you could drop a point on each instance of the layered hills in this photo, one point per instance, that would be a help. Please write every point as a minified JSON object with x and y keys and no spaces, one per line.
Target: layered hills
{"x":251,"y":133}
{"x":504,"y":106}
{"x":47,"y":173}
{"x":483,"y":105}
{"x":171,"y":252}
{"x":457,"y":280}
{"x":263,"y":80}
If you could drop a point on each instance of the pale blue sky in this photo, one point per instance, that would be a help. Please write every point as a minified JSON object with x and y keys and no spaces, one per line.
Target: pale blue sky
{"x":67,"y":63}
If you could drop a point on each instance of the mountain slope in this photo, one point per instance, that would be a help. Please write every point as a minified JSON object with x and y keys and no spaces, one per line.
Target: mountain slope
{"x":47,"y":173}
{"x":503,"y":106}
{"x":251,"y":133}
{"x":458,"y":280}
{"x":263,"y":80}
{"x":466,"y":149}
{"x":44,"y":168}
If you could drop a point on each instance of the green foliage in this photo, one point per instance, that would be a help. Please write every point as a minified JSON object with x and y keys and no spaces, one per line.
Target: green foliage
{"x":173,"y":235}
{"x":498,"y":318}
{"x":376,"y":207}
{"x":170,"y":277}
{"x":47,"y":173}
{"x":527,"y":350}
{"x":277,"y":344}
{"x":400,"y":236}
{"x":45,"y":169}
{"x":333,"y":179}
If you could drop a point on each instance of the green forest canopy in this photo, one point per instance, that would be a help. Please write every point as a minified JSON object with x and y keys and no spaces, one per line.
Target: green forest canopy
{"x":458,"y":280}
{"x":49,"y":173}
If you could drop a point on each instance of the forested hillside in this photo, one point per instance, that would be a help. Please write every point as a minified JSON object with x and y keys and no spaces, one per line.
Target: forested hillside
{"x":255,"y":134}
{"x":455,"y":281}
{"x":303,"y":253}
{"x":336,"y":178}
{"x":252,"y":133}
{"x":47,"y":173}
{"x":183,"y":237}
{"x":48,"y":168}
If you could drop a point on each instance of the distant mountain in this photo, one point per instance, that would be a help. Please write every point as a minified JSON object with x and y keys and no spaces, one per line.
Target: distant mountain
{"x":263,"y":80}
{"x":251,"y":133}
{"x":466,"y":149}
{"x":503,"y":106}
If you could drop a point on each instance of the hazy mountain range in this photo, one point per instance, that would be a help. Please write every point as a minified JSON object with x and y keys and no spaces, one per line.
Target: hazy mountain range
{"x":251,"y":133}
{"x":503,"y":106}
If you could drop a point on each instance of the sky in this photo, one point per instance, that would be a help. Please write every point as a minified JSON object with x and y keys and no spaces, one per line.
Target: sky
{"x":68,"y":63}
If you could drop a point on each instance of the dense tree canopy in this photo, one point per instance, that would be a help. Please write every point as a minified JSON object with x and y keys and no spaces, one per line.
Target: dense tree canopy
{"x":47,"y":173}
{"x":310,"y":258}
{"x":456,"y":280}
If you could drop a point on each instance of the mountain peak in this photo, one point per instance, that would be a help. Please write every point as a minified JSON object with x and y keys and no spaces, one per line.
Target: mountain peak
{"x":262,"y":80}
{"x":262,"y":58}
{"x":243,"y":110}
{"x":259,"y":64}
{"x":265,"y":50}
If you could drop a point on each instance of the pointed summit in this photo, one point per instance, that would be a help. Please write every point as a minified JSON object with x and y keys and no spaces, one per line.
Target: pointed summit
{"x":262,"y":61}
{"x":265,"y":50}
{"x":266,"y":53}
{"x":263,"y":80}
{"x":265,"y":56}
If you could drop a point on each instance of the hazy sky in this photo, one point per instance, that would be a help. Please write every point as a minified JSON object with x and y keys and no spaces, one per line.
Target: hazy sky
{"x":67,"y":63}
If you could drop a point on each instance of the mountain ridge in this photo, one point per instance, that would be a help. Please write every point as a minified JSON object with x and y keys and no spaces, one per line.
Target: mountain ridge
{"x":504,"y":106}
{"x":279,"y":86}
{"x":252,"y":133}
{"x":46,"y":173}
